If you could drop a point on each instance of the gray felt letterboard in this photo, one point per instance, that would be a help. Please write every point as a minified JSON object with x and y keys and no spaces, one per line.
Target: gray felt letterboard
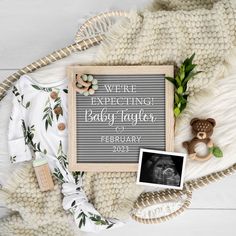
{"x":127,"y":112}
{"x":97,"y":141}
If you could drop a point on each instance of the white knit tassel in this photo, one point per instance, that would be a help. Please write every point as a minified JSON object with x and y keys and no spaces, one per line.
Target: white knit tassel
{"x":114,"y":34}
{"x":98,"y":25}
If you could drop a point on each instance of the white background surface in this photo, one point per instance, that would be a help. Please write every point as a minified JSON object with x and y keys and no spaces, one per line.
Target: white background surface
{"x":31,"y":29}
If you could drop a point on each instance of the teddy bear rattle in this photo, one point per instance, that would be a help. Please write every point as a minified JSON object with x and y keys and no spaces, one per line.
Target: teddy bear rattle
{"x":202,"y":130}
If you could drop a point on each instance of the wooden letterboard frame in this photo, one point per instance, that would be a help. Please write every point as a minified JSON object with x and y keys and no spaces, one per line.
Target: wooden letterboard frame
{"x":132,"y":108}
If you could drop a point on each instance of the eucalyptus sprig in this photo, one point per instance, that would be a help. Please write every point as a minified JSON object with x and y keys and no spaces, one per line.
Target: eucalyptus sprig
{"x":184,"y":74}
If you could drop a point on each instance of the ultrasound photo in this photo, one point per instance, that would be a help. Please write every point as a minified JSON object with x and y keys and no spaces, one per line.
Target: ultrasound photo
{"x":162,"y":169}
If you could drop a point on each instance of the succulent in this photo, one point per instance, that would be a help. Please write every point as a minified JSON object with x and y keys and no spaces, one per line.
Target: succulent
{"x":184,"y":74}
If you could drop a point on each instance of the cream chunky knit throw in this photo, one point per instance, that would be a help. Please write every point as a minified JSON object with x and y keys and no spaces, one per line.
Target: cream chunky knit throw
{"x":166,"y":33}
{"x":172,"y":31}
{"x":36,"y":213}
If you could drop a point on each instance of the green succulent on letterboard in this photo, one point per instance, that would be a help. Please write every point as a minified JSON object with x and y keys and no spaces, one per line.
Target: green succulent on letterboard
{"x":184,"y":74}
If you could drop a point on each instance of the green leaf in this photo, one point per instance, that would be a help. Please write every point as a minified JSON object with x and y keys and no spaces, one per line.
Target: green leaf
{"x":57,"y":99}
{"x":180,"y":90}
{"x":190,"y":67}
{"x":176,"y":98}
{"x":191,"y":58}
{"x":176,"y":111}
{"x":191,"y":75}
{"x":38,"y":146}
{"x":36,"y":87}
{"x":217,"y":152}
{"x":183,"y":106}
{"x":178,"y":80}
{"x":172,"y":80}
{"x":56,"y":174}
{"x":109,"y":226}
{"x":46,"y":109}
{"x":46,"y":124}
{"x":80,"y":214}
{"x":47,"y":89}
{"x":80,"y":223}
{"x":27,"y":104}
{"x":49,"y":121}
{"x":98,"y":223}
{"x":182,"y":72}
{"x":186,"y":61}
{"x":65,"y":90}
{"x":182,"y":100}
{"x":84,"y":220}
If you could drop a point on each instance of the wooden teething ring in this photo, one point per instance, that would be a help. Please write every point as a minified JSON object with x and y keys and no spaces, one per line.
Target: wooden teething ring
{"x":195,"y":156}
{"x":83,"y":83}
{"x":86,"y":86}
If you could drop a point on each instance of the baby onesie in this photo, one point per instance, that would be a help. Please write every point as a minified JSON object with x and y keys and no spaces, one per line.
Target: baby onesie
{"x":38,"y":129}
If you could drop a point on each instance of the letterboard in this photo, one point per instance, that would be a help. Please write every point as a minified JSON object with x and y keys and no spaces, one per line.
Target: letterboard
{"x":132,"y":109}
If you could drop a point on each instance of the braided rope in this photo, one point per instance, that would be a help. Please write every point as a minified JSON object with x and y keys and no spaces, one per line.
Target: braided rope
{"x":207,"y":179}
{"x":93,"y":26}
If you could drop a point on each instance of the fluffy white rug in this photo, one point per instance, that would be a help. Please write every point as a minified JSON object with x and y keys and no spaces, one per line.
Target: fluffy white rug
{"x":218,"y":102}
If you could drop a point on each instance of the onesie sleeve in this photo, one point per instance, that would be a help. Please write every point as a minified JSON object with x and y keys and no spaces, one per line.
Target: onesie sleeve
{"x":17,"y":134}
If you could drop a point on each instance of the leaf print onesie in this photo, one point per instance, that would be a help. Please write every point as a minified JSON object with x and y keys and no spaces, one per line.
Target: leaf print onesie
{"x":38,"y":129}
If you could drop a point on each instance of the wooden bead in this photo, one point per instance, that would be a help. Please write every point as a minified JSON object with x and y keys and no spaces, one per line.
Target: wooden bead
{"x":53,"y":95}
{"x":90,"y":78}
{"x":61,"y":126}
{"x":91,"y":91}
{"x":58,"y":110}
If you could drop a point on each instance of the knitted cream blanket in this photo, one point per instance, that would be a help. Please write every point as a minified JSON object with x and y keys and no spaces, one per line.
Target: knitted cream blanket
{"x":171,"y":31}
{"x":36,"y":213}
{"x":166,"y":33}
